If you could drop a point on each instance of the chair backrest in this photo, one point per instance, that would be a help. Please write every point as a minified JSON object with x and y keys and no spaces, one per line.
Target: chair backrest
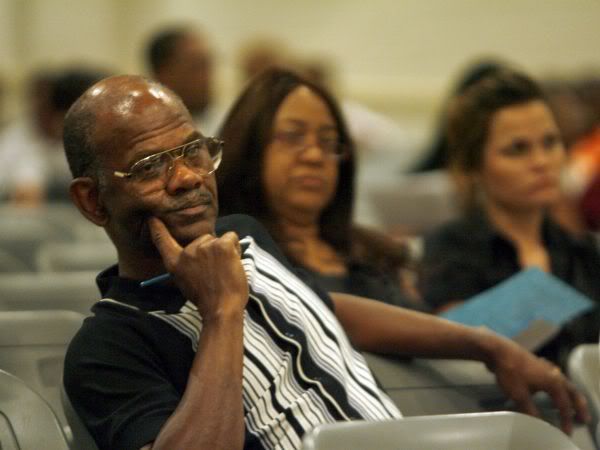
{"x":26,"y":420}
{"x":21,"y":236}
{"x":428,"y":386}
{"x":416,"y":203}
{"x":11,"y":264}
{"x":75,"y":256}
{"x":478,"y":431}
{"x":583,"y":367}
{"x":33,"y":346}
{"x":81,"y":438}
{"x":74,"y":291}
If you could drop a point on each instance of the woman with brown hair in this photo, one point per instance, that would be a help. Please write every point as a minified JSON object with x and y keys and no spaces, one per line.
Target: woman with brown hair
{"x":289,"y":162}
{"x":507,"y":155}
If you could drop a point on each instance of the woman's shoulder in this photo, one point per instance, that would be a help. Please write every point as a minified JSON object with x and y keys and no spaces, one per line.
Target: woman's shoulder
{"x":585,"y":243}
{"x":373,"y":247}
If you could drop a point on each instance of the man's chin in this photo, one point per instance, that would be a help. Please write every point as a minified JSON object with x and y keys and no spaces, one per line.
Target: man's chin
{"x":185,"y":234}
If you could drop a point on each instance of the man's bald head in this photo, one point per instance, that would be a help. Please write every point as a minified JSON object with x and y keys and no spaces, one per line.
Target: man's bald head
{"x":117,"y":104}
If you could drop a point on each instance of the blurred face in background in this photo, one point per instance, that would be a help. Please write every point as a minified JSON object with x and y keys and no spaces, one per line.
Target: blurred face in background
{"x":300,"y":165}
{"x":189,"y":72}
{"x":522,"y":158}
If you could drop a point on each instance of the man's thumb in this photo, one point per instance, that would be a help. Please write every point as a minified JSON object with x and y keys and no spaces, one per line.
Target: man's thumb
{"x":166,"y":244}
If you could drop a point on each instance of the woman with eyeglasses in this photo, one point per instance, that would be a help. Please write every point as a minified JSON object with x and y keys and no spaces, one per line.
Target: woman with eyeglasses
{"x":289,"y":162}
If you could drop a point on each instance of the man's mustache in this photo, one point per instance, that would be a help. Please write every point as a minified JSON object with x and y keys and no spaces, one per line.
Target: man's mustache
{"x":190,"y":200}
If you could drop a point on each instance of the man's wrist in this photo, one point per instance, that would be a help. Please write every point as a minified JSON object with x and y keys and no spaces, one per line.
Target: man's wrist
{"x":223,"y":316}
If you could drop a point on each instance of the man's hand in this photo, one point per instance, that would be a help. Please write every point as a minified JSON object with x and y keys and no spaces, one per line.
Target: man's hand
{"x":520,"y":374}
{"x":208,"y":271}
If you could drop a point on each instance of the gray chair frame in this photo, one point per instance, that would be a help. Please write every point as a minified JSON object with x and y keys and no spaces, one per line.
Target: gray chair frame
{"x":583,"y":367}
{"x":477,"y":431}
{"x":74,"y":291}
{"x":26,"y":420}
{"x":33,"y":346}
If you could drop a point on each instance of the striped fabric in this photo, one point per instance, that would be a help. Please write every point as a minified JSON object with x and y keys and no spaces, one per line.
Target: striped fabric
{"x":300,"y":369}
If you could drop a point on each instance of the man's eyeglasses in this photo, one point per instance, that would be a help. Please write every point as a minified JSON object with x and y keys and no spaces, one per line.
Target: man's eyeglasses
{"x":202,"y":154}
{"x":296,"y":140}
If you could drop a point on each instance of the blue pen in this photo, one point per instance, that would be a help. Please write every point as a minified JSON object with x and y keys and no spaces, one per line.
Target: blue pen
{"x":157,"y":279}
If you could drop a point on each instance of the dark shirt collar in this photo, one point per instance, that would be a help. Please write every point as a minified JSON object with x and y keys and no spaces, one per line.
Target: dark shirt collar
{"x":559,"y":244}
{"x":158,"y":297}
{"x":483,"y":230}
{"x":163,"y":296}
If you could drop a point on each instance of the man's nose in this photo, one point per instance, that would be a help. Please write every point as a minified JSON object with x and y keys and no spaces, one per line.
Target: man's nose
{"x":182,"y":177}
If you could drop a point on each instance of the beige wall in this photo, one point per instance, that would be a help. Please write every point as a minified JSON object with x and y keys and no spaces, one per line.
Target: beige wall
{"x":398,"y":55}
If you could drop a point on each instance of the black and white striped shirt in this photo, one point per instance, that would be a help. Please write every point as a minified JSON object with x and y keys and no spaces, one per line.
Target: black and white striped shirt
{"x":300,"y":370}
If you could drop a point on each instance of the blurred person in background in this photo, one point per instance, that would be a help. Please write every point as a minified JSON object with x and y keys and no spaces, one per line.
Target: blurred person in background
{"x":19,"y":180}
{"x":506,"y":154}
{"x":290,"y":162}
{"x":261,"y":53}
{"x":377,"y":137}
{"x":33,"y":168}
{"x":436,"y":156}
{"x":182,"y":58}
{"x":582,"y":181}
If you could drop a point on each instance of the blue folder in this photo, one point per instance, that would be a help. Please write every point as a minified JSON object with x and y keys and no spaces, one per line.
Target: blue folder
{"x":532,"y":305}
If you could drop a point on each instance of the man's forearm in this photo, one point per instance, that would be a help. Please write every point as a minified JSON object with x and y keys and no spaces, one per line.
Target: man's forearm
{"x":210,"y":414}
{"x":377,"y":327}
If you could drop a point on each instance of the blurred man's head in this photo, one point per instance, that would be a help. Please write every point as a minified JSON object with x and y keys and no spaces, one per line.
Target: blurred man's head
{"x":181,"y":59}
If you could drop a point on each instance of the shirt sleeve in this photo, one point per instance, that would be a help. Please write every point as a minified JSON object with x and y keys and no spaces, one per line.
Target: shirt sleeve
{"x":116,"y":384}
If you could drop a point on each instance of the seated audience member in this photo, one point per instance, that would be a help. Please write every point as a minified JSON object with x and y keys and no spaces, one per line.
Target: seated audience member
{"x":577,"y":122}
{"x":260,"y":53}
{"x":436,"y":156}
{"x":182,"y":59}
{"x":234,"y":351}
{"x":583,"y":172}
{"x":19,"y":179}
{"x":290,"y":162}
{"x":506,"y":152}
{"x":33,"y":168}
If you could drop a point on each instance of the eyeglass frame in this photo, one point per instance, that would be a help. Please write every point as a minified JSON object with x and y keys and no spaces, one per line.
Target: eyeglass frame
{"x":218,"y":156}
{"x":281,"y":136}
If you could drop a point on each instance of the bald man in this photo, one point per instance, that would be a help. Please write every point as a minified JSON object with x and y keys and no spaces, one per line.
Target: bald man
{"x":233,"y":350}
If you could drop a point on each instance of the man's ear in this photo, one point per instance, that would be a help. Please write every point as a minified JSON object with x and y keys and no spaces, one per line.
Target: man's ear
{"x":85,"y":194}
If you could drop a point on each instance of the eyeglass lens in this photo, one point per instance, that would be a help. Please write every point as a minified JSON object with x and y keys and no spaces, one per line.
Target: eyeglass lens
{"x":198,"y":155}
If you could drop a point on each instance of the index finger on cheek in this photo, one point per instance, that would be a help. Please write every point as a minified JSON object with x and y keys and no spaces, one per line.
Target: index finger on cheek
{"x":166,"y":244}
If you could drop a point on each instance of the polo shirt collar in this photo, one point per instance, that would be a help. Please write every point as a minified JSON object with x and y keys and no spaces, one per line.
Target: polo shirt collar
{"x":158,"y":297}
